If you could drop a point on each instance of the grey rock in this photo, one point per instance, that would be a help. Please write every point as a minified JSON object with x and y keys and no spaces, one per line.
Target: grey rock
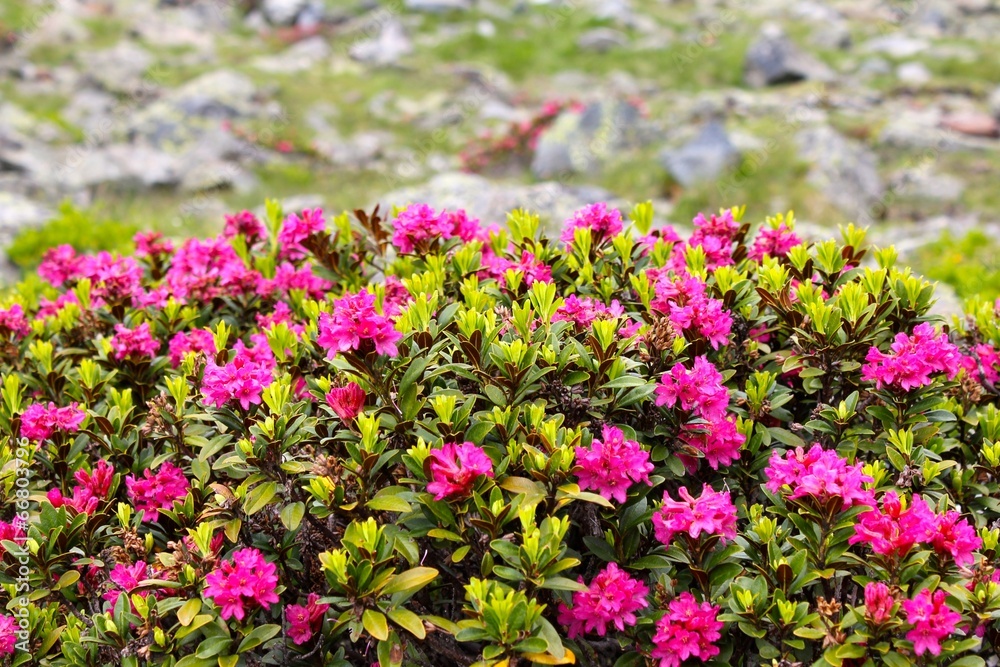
{"x":490,"y":201}
{"x":844,"y":170}
{"x":913,"y":73}
{"x":896,"y":46}
{"x":438,"y":6}
{"x":17,"y":212}
{"x":925,"y":183}
{"x":602,"y":40}
{"x":282,"y":12}
{"x":118,"y":69}
{"x":296,"y":58}
{"x":702,"y":159}
{"x":773,"y":59}
{"x":581,"y":142}
{"x":386,"y":48}
{"x":359,"y":151}
{"x":994,"y":103}
{"x":486,"y":28}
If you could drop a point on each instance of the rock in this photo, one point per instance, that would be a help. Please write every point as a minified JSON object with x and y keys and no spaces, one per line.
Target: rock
{"x":774,"y":59}
{"x":602,"y":40}
{"x":486,"y":28}
{"x":17,"y":212}
{"x":925,"y":183}
{"x":913,"y":73}
{"x":358,"y":152}
{"x":438,"y":6}
{"x":490,"y":200}
{"x":298,"y":57}
{"x":972,"y":123}
{"x":702,"y":159}
{"x":844,"y":170}
{"x":282,"y":12}
{"x":581,"y":141}
{"x":896,"y":46}
{"x":119,"y":69}
{"x":994,"y":103}
{"x":386,"y":48}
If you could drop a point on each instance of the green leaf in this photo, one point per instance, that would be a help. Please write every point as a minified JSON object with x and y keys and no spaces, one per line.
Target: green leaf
{"x":258,"y":636}
{"x":409,"y":621}
{"x":187,"y":613}
{"x":388,"y":500}
{"x":259,"y":497}
{"x":375,"y":624}
{"x":410,"y":581}
{"x":68,"y":578}
{"x":291,"y":515}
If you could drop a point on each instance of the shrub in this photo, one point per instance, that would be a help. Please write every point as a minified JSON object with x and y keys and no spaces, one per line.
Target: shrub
{"x":423,"y":442}
{"x":83,"y":230}
{"x":967,"y":263}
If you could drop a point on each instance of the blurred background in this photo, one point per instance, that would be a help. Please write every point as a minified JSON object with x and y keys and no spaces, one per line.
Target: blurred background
{"x":118,"y":115}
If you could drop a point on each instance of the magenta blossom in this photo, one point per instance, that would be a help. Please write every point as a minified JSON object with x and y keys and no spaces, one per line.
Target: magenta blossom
{"x":8,"y":634}
{"x":244,"y":224}
{"x":932,"y":621}
{"x":347,"y":401}
{"x":355,"y":323}
{"x":699,"y":390}
{"x":296,"y":229}
{"x":912,"y":360}
{"x":454,"y":469}
{"x":137,"y":343}
{"x":157,"y":491}
{"x":243,"y":379}
{"x":13,"y":323}
{"x":199,"y":341}
{"x":687,"y":630}
{"x":711,"y":513}
{"x":820,"y":474}
{"x":39,"y":422}
{"x":613,"y":598}
{"x":305,"y":620}
{"x":603,"y":223}
{"x":773,"y":242}
{"x":613,"y":464}
{"x":687,"y":305}
{"x":245,"y":581}
{"x":878,"y":602}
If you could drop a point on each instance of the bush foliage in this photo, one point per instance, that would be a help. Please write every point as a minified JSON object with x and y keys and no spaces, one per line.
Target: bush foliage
{"x":417,"y":441}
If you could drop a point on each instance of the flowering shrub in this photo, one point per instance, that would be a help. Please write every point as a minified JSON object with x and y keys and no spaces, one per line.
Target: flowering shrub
{"x":420,"y":441}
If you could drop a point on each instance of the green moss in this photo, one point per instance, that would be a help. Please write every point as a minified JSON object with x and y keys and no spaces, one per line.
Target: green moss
{"x":84,"y":230}
{"x":970,"y":264}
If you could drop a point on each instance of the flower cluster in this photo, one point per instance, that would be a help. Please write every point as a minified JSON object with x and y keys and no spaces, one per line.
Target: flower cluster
{"x":773,"y":242}
{"x":455,"y":468}
{"x":157,"y":491}
{"x":612,"y":598}
{"x":90,"y":490}
{"x":13,"y":323}
{"x":820,"y":474}
{"x":40,"y":421}
{"x":198,"y":341}
{"x":583,"y":311}
{"x":603,"y":223}
{"x":932,"y":621}
{"x":242,"y":582}
{"x":687,"y":630}
{"x":347,"y":401}
{"x":612,"y":464}
{"x":418,"y":226}
{"x":243,"y":379}
{"x":305,"y":620}
{"x":8,"y":634}
{"x":137,"y":343}
{"x":879,"y":602}
{"x":687,"y":305}
{"x":296,"y":229}
{"x":714,"y":235}
{"x":698,"y":390}
{"x":711,"y":513}
{"x":355,"y":323}
{"x":912,"y":360}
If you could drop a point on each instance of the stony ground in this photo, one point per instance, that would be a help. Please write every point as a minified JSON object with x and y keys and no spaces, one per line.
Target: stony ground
{"x":170,"y":113}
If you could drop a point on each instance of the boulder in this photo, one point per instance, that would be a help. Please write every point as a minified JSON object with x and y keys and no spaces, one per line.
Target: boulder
{"x":844,"y":170}
{"x":773,"y":59}
{"x":386,"y":48}
{"x":602,"y":40}
{"x":702,"y":159}
{"x":581,"y":141}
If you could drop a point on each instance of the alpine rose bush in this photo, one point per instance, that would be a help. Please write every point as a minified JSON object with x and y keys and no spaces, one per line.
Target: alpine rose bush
{"x":422,"y":440}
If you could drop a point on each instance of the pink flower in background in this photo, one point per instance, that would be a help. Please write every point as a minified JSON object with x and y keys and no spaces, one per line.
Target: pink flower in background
{"x":583,"y":311}
{"x":126,"y":578}
{"x":288,"y":277}
{"x":912,"y":360}
{"x":719,"y":442}
{"x":60,"y":264}
{"x":347,"y":401}
{"x":296,"y":229}
{"x":244,"y":224}
{"x":983,"y":364}
{"x":8,"y":634}
{"x":13,"y":322}
{"x":204,"y":269}
{"x":137,"y":343}
{"x":878,"y":602}
{"x":418,"y":224}
{"x":773,"y":242}
{"x":603,"y":223}
{"x":245,"y":581}
{"x":613,"y":464}
{"x":281,"y":313}
{"x":305,"y":620}
{"x":715,"y":235}
{"x":157,"y":491}
{"x":711,"y":513}
{"x":355,"y":322}
{"x":932,"y":621}
{"x":454,"y":469}
{"x":613,"y":598}
{"x":199,"y":341}
{"x":243,"y":379}
{"x":39,"y":422}
{"x":688,"y":630}
{"x":819,"y":473}
{"x":699,"y":390}
{"x":466,"y":228}
{"x":152,"y":245}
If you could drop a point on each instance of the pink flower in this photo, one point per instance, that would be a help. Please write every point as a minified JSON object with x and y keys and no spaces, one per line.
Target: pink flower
{"x":912,"y":360}
{"x":244,"y":581}
{"x":203,"y":270}
{"x":11,"y":532}
{"x":39,"y":422}
{"x":126,"y":578}
{"x":244,"y":224}
{"x":819,"y":474}
{"x":14,"y":323}
{"x":304,"y":620}
{"x":603,"y":223}
{"x":719,"y":442}
{"x":60,"y":264}
{"x":956,"y":537}
{"x":419,"y":225}
{"x":699,"y":390}
{"x":715,"y":235}
{"x":878,"y":602}
{"x":8,"y":634}
{"x":243,"y":379}
{"x":773,"y":242}
{"x":711,"y":513}
{"x":932,"y":621}
{"x":113,"y":278}
{"x":199,"y":341}
{"x":354,"y":323}
{"x":611,"y":465}
{"x":690,"y":309}
{"x":296,"y":229}
{"x":157,"y":491}
{"x":454,"y":469}
{"x":687,"y":630}
{"x":135,"y":343}
{"x":287,"y":278}
{"x":583,"y":312}
{"x":152,"y":245}
{"x":613,"y":597}
{"x":347,"y":401}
